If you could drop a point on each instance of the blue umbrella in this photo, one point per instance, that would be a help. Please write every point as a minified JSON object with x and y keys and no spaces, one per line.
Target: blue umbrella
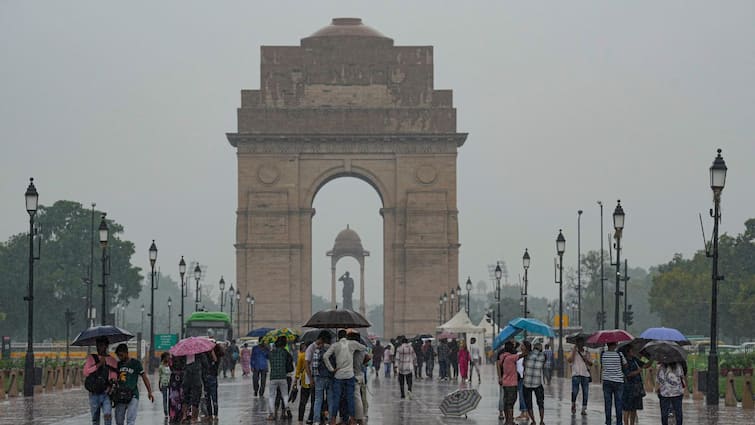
{"x":506,"y":333}
{"x":532,"y":326}
{"x":665,"y":334}
{"x":259,"y":332}
{"x":112,"y":333}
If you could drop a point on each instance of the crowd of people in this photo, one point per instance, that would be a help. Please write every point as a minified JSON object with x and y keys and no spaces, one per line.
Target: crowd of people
{"x":330,"y":378}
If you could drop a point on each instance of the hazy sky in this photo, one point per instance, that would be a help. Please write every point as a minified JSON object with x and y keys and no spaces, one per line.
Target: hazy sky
{"x":566,"y":103}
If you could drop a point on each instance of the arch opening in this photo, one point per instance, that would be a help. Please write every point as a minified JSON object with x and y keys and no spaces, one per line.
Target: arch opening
{"x":340,"y":201}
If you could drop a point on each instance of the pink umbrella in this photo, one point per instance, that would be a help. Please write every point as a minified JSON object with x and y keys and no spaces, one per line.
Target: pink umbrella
{"x":601,"y":338}
{"x":192,"y":345}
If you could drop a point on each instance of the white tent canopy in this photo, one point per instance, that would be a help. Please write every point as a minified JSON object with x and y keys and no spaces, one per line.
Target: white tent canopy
{"x":460,"y":323}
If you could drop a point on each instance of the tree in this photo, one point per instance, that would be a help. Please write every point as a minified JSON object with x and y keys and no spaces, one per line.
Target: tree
{"x":65,"y":232}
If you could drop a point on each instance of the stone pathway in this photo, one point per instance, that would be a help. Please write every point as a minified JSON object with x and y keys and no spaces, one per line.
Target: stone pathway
{"x":70,"y":407}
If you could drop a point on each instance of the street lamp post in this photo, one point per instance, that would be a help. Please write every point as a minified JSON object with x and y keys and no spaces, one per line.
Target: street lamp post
{"x":238,"y":312}
{"x":453,"y":299}
{"x":526,"y":265}
{"x":142,"y":331}
{"x":498,"y":275}
{"x":618,"y":225}
{"x":717,"y":182}
{"x":231,"y":295}
{"x":602,"y":313}
{"x":249,"y":311}
{"x":440,"y":310}
{"x":469,"y":291}
{"x":170,"y":303}
{"x":32,"y":203}
{"x":445,"y":306}
{"x":550,"y":311}
{"x":221,"y":284}
{"x":104,"y":234}
{"x":152,"y":260}
{"x":89,"y":320}
{"x":458,"y":298}
{"x":626,"y":294}
{"x":560,"y":249}
{"x":251,"y":326}
{"x":197,"y":296}
{"x":579,"y":267}
{"x":184,"y":292}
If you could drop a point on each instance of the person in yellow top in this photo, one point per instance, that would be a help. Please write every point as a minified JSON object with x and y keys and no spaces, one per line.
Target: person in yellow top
{"x":304,"y":379}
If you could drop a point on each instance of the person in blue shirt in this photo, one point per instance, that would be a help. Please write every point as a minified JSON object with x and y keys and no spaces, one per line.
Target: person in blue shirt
{"x":259,"y":362}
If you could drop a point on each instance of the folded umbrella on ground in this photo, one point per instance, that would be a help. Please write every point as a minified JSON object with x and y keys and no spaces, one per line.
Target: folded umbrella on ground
{"x":460,"y":402}
{"x":113,"y":334}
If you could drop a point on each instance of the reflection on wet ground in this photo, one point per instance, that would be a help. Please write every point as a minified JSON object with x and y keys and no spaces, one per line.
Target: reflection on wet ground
{"x":237,"y":406}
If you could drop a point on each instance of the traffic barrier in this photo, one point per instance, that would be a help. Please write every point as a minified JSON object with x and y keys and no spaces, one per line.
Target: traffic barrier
{"x":747,"y":402}
{"x":731,"y":395}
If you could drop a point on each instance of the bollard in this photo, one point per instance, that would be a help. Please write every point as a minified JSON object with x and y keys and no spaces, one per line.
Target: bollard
{"x":595,"y":373}
{"x":60,"y":378}
{"x":731,"y":395}
{"x":2,"y":384}
{"x":696,"y":393}
{"x":747,"y":402}
{"x":649,"y":382}
{"x":13,"y":386}
{"x":49,"y":381}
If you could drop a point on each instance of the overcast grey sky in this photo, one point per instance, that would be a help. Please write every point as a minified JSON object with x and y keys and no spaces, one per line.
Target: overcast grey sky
{"x":566,"y":103}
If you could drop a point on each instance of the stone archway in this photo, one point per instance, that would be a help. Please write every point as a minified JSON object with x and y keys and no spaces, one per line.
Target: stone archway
{"x":347,"y":102}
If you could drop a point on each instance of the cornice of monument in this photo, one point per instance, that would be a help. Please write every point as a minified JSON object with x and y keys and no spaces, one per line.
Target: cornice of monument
{"x":347,"y":143}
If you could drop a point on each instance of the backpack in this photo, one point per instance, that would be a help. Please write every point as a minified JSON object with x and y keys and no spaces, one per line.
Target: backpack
{"x":322,"y":370}
{"x":97,"y":382}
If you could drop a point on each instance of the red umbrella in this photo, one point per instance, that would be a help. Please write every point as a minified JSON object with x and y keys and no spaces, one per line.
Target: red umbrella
{"x":601,"y":338}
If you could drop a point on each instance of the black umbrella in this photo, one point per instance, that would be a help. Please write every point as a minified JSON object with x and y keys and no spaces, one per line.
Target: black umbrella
{"x":335,"y":318}
{"x":573,"y":338}
{"x":311,"y":335}
{"x":112,"y":333}
{"x":665,"y":352}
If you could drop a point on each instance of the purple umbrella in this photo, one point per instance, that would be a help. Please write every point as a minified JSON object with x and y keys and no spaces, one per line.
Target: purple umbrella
{"x":665,"y":334}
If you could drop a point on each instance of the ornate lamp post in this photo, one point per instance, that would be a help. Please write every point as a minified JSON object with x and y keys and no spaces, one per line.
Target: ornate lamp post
{"x":717,"y":183}
{"x":602,"y":313}
{"x":231,"y":296}
{"x":453,"y":299}
{"x":579,"y":267}
{"x":197,"y":295}
{"x":526,"y":265}
{"x":618,"y":225}
{"x":152,"y":261}
{"x":184,"y":292}
{"x":469,"y":290}
{"x":445,"y":306}
{"x":248,"y":311}
{"x":498,"y":275}
{"x":550,"y":312}
{"x":103,"y":231}
{"x":170,"y":303}
{"x":251,"y":326}
{"x":458,"y":298}
{"x":142,"y":329}
{"x":440,"y":310}
{"x":560,"y":249}
{"x":221,"y":284}
{"x":238,"y":312}
{"x":32,"y":203}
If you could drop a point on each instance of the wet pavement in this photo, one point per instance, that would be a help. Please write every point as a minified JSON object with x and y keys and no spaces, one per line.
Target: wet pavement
{"x":237,"y":406}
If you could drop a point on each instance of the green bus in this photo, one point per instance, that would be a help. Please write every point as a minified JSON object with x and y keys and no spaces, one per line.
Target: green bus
{"x":212,"y":324}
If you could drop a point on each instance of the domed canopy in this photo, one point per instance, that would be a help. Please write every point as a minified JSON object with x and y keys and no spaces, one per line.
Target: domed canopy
{"x":348,"y":243}
{"x":347,"y":27}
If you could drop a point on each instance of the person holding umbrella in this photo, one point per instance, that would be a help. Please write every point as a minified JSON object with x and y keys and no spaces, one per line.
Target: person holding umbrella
{"x":99,"y":372}
{"x":670,"y":385}
{"x":633,"y":388}
{"x":580,"y":374}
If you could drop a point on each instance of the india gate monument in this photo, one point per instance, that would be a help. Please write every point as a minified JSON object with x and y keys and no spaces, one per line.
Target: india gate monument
{"x":346,"y":101}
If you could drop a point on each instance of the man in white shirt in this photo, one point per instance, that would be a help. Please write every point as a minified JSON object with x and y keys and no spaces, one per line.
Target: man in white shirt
{"x":344,"y":375}
{"x":476,"y":359}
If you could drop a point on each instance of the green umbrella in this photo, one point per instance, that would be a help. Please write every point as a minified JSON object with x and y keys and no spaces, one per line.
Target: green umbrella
{"x":273,"y":335}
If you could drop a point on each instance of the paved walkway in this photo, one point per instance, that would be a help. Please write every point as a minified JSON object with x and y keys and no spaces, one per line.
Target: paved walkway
{"x":238,"y":407}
